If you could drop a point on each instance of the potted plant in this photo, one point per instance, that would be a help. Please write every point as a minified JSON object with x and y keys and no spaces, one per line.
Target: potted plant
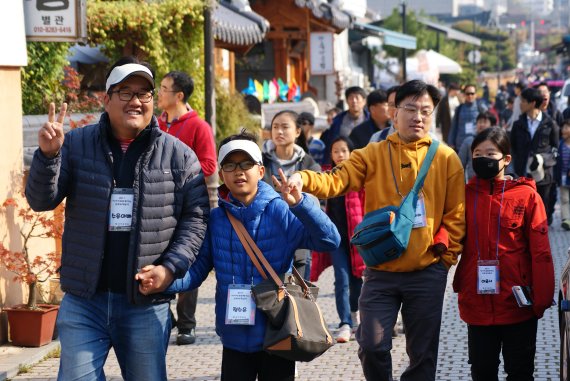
{"x":31,"y":269}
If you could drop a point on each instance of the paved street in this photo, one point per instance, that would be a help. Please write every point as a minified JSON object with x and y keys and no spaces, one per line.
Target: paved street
{"x":201,"y":361}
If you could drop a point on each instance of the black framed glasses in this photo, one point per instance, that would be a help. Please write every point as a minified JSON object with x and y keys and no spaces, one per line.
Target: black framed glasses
{"x":244,"y":165}
{"x":127,"y":96}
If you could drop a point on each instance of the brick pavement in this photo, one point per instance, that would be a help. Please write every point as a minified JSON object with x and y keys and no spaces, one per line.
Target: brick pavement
{"x":201,"y":361}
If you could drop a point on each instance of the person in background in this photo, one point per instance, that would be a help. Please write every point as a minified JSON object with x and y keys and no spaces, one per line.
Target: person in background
{"x":346,"y":212}
{"x":501,"y":100}
{"x":383,"y":134}
{"x":344,"y":123}
{"x":134,"y":196}
{"x":506,"y":114}
{"x":377,"y":104}
{"x":179,"y":120}
{"x":286,"y":155}
{"x":548,"y":106}
{"x":519,"y":87}
{"x":279,"y":224}
{"x":331,"y":113}
{"x":416,"y":280}
{"x":484,"y":120}
{"x":507,"y":234}
{"x":536,"y":134}
{"x":446,"y":110}
{"x":463,"y":122}
{"x":562,"y":172}
{"x":316,"y":146}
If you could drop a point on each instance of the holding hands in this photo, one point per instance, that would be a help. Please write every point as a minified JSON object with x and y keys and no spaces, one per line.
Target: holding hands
{"x":290,"y":188}
{"x":50,"y":136}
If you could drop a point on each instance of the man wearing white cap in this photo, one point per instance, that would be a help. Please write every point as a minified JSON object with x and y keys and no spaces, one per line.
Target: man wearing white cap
{"x":134,"y":197}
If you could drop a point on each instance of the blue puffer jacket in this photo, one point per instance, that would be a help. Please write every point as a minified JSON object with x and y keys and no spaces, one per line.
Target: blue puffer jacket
{"x":278,"y":231}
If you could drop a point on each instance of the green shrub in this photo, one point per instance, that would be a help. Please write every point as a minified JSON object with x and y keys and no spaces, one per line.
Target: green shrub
{"x":232,"y":114}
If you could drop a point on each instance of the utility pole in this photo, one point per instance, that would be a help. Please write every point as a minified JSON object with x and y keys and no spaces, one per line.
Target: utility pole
{"x":404,"y":74}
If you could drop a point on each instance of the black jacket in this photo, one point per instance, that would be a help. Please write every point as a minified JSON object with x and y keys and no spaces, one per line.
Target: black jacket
{"x":170,"y":209}
{"x":545,"y":141}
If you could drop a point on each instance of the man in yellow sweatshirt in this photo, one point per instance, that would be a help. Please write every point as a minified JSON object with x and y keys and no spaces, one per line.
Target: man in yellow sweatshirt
{"x":415,"y":281}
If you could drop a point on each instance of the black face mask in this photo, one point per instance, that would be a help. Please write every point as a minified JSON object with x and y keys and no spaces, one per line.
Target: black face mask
{"x":486,"y":168}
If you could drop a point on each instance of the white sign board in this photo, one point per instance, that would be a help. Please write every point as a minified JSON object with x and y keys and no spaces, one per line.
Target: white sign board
{"x":12,"y":35}
{"x":322,"y":57}
{"x":55,"y":20}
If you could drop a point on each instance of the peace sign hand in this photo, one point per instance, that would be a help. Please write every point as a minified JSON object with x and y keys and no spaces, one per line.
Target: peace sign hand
{"x":50,"y":136}
{"x":290,"y":193}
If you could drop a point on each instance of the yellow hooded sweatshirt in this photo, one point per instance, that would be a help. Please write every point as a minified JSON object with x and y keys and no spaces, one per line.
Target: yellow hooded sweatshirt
{"x":443,"y":193}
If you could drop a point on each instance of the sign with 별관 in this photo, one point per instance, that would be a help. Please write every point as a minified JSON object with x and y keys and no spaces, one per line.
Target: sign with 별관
{"x":322,"y":53}
{"x":55,"y":20}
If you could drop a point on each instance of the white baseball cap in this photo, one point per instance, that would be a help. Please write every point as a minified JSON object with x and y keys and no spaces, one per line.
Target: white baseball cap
{"x":120,"y":73}
{"x":247,"y":146}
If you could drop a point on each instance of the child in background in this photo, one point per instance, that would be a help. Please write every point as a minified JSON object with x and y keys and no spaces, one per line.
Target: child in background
{"x":346,"y":212}
{"x":504,"y":215}
{"x":563,"y":174}
{"x":484,"y":120}
{"x":286,"y":152}
{"x":279,"y":225}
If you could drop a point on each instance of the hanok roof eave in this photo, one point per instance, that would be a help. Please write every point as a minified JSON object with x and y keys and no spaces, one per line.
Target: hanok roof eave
{"x":451,"y":33}
{"x":236,"y":27}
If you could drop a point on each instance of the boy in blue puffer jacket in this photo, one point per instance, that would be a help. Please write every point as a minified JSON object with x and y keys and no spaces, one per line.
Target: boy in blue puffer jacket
{"x":279,"y":225}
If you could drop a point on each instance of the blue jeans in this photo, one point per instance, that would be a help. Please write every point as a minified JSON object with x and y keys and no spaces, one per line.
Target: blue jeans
{"x":88,"y":328}
{"x":346,"y":286}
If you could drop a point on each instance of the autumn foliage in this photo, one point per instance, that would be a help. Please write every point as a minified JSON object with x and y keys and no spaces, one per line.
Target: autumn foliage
{"x":27,"y":267}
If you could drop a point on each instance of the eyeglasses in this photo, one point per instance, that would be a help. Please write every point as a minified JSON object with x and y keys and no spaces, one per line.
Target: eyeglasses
{"x":413,"y":111}
{"x":161,"y":90}
{"x":127,"y":96}
{"x":469,"y":93}
{"x":244,"y":165}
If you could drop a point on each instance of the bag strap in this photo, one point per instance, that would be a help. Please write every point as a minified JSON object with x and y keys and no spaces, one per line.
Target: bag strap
{"x":257,"y":256}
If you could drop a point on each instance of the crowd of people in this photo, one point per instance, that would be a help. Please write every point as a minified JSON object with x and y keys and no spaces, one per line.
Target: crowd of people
{"x":139,"y":227}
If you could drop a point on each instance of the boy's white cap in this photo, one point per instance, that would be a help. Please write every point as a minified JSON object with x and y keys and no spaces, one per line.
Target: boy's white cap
{"x":247,"y":146}
{"x":120,"y":73}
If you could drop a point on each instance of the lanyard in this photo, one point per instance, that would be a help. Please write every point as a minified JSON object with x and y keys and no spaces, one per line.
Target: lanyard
{"x":498,"y":224}
{"x":392,"y":169}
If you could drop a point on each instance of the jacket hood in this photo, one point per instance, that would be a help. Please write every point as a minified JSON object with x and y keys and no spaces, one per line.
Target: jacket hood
{"x":265,"y":194}
{"x":395,"y":138}
{"x":190,"y":114}
{"x":298,"y":155}
{"x":481,"y":185}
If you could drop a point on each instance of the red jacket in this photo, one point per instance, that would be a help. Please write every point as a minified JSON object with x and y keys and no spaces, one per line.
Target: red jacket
{"x":354,"y":204}
{"x":522,"y":222}
{"x":196,"y":134}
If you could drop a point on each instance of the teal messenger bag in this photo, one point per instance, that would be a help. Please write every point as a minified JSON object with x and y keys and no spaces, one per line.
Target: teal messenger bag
{"x":383,"y":234}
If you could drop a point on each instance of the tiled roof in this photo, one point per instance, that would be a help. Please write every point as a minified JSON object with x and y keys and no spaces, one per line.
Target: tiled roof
{"x":338,"y":18}
{"x":238,"y":27}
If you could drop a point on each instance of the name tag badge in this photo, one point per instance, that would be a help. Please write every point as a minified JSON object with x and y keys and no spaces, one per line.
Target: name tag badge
{"x":121,"y":210}
{"x":470,"y":128}
{"x":420,"y":220}
{"x":240,"y":309}
{"x":488,"y":277}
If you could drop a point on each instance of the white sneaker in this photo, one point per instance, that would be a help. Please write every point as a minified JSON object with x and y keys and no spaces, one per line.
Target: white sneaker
{"x":343,"y":334}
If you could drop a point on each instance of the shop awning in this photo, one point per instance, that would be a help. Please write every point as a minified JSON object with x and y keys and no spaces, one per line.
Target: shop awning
{"x":389,"y":37}
{"x":238,"y":26}
{"x":451,"y":33}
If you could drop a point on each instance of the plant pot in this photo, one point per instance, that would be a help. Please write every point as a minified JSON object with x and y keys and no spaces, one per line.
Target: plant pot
{"x":31,"y":328}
